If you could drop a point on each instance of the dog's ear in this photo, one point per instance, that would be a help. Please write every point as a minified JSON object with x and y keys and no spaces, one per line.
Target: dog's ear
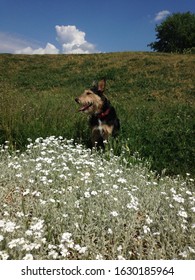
{"x":102,"y":85}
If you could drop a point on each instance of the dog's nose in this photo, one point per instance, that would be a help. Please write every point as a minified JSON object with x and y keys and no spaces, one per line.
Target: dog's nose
{"x":77,"y":100}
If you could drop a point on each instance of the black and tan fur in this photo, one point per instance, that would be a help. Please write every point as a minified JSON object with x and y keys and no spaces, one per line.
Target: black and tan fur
{"x":103,"y":119}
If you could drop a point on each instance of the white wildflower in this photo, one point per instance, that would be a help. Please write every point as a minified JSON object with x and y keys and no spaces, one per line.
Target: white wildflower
{"x":26,"y":192}
{"x":27,"y":247}
{"x":189,"y":192}
{"x":4,"y":255}
{"x":19,"y":214}
{"x":193,"y":209}
{"x":31,"y":181}
{"x":38,"y":166}
{"x":15,"y":242}
{"x":62,"y":176}
{"x":64,"y":215}
{"x":36,"y":193}
{"x":156,"y":233}
{"x":51,"y":246}
{"x":106,"y":192}
{"x":77,"y":203}
{"x":191,"y":250}
{"x":130,"y":253}
{"x":80,"y":249}
{"x":87,"y":195}
{"x":183,"y":226}
{"x":66,"y":237}
{"x":53,"y":254}
{"x":173,"y":190}
{"x":76,"y":225}
{"x":178,"y":198}
{"x":94,"y":193}
{"x":2,"y":223}
{"x":148,"y":220}
{"x":77,"y":247}
{"x":64,"y":252}
{"x":50,"y":181}
{"x":6,"y":213}
{"x":1,"y":237}
{"x":37,"y":226}
{"x":134,"y":202}
{"x":99,"y":257}
{"x":29,"y":232}
{"x":34,"y":245}
{"x":70,"y":243}
{"x":120,"y":258}
{"x":183,"y":254}
{"x":10,"y":226}
{"x":43,"y":202}
{"x":43,"y":240}
{"x":119,"y":248}
{"x":28,"y":257}
{"x":122,"y":180}
{"x":146,"y":229}
{"x":183,"y":214}
{"x":114,"y":213}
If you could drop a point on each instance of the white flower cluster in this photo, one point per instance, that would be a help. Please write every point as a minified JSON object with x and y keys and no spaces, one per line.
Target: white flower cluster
{"x":63,"y":201}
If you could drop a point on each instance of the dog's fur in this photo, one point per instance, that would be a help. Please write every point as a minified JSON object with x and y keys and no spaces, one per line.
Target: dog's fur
{"x":103,"y":119}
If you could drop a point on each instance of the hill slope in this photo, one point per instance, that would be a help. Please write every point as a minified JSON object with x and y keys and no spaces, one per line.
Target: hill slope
{"x":153,"y":95}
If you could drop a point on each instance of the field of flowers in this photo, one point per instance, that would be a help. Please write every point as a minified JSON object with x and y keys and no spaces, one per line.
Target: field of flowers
{"x":59,"y":200}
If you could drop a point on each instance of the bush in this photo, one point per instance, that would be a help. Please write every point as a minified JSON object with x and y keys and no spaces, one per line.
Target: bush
{"x":175,"y":34}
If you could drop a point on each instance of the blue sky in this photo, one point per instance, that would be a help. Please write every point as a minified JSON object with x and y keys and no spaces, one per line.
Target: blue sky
{"x":83,"y":26}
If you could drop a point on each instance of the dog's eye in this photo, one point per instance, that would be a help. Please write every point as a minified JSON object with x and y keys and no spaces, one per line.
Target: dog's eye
{"x":88,"y":93}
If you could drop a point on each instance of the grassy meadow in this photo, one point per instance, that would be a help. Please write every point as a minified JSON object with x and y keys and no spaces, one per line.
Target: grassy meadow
{"x":153,"y":95}
{"x":59,"y":199}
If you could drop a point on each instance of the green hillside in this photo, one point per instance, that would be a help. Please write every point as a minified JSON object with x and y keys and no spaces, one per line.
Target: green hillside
{"x":153,"y":95}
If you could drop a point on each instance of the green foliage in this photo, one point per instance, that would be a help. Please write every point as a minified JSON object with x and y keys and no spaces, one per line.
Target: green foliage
{"x":175,"y":34}
{"x":153,"y":95}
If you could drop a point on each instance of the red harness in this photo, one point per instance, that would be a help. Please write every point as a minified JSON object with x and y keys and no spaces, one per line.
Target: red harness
{"x":103,"y":114}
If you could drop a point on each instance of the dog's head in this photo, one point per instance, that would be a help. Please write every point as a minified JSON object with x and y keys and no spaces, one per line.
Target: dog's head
{"x":92,"y":100}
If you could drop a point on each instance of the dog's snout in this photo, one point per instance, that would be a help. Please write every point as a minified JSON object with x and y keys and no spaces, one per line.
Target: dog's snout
{"x":77,"y":100}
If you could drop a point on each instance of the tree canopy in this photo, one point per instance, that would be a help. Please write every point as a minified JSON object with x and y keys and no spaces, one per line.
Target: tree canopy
{"x":175,"y":34}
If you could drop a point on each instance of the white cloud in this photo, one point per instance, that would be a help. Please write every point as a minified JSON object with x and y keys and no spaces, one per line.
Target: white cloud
{"x":73,"y":40}
{"x":49,"y":49}
{"x":69,"y":33}
{"x":9,"y":43}
{"x":161,"y":15}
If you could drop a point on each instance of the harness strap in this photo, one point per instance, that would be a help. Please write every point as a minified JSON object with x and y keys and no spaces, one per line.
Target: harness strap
{"x":103,"y":114}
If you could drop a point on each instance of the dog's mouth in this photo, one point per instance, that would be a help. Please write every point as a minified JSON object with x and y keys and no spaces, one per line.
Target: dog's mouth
{"x":85,"y":106}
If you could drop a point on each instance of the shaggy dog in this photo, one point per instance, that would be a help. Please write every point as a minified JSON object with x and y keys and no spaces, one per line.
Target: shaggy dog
{"x":103,"y":119}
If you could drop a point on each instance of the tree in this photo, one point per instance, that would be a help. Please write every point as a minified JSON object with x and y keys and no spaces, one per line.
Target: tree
{"x":175,"y":34}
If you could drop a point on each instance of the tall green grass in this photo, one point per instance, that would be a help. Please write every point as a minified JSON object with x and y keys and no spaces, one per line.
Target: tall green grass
{"x":153,"y":95}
